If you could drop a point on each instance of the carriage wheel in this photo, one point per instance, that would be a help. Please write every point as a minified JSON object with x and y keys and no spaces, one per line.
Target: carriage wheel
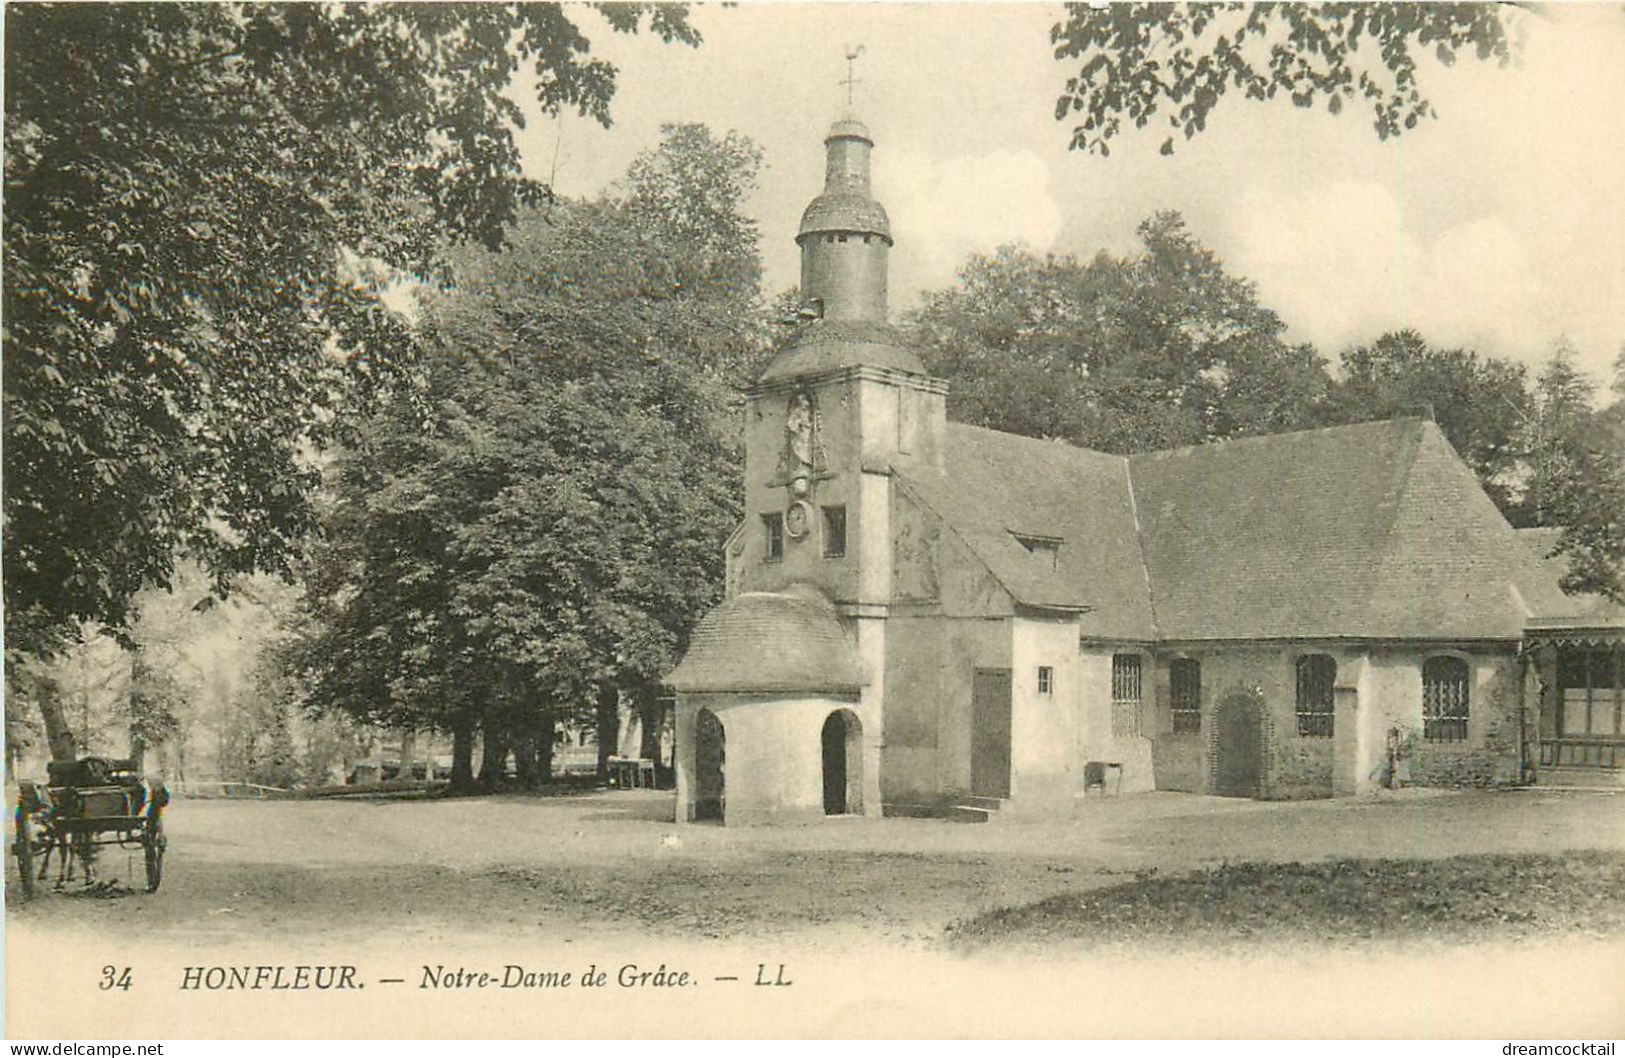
{"x":154,"y":843}
{"x":24,"y":848}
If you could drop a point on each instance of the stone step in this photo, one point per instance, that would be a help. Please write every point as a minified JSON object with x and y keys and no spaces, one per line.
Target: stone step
{"x":1595,"y":778}
{"x":954,"y":813}
{"x":991,"y":804}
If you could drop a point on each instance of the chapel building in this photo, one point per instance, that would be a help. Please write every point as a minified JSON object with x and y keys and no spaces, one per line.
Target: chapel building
{"x":928,"y":618}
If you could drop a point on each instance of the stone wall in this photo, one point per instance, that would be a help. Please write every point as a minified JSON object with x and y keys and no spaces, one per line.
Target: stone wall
{"x":1292,"y":766}
{"x":1379,"y":691}
{"x":1177,"y":760}
{"x":773,"y":764}
{"x":931,"y":661}
{"x":1043,"y":769}
{"x":1489,"y":754}
{"x":1096,"y":737}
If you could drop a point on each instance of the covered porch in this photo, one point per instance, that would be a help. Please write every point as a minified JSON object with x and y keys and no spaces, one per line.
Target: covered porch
{"x":1579,"y":701}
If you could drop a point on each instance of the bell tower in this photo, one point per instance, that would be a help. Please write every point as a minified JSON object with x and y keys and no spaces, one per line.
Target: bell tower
{"x":842,"y":413}
{"x":843,"y":406}
{"x":844,"y":235}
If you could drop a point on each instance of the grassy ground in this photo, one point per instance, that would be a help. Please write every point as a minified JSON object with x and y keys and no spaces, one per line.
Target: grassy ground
{"x":1461,"y":898}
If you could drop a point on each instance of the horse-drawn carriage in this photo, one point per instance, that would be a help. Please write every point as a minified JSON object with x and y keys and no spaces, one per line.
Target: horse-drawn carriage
{"x":85,"y":806}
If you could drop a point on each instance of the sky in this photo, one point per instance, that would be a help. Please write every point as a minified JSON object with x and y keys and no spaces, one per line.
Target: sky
{"x":1499,"y":226}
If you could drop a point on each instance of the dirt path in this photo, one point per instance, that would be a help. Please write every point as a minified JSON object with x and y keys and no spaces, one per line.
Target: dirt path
{"x":600,"y":864}
{"x":852,"y":912}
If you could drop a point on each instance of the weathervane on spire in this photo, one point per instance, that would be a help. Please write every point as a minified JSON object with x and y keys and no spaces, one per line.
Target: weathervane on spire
{"x":851,"y":57}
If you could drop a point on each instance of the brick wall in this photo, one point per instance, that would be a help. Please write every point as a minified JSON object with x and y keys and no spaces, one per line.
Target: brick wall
{"x":1389,"y":686}
{"x":1489,"y":754}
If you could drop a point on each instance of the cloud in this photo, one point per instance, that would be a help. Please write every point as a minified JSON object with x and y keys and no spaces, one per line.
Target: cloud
{"x":945,"y":208}
{"x":1342,"y":264}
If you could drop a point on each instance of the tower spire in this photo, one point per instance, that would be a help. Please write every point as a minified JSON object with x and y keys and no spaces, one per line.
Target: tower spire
{"x":844,"y":234}
{"x":852,"y":55}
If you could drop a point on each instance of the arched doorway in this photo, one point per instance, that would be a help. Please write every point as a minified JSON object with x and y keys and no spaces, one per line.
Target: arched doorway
{"x":710,"y":753}
{"x":1239,"y":745}
{"x":842,"y":740}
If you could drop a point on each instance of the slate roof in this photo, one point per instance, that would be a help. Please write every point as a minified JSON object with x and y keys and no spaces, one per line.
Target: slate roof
{"x":1376,"y":530}
{"x":825,"y":345}
{"x":770,"y":642}
{"x":1001,"y":486}
{"x":1553,"y":609}
{"x":849,"y":211}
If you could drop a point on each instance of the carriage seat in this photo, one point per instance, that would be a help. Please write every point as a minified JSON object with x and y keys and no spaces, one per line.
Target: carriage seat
{"x":102,"y":786}
{"x":92,"y":771}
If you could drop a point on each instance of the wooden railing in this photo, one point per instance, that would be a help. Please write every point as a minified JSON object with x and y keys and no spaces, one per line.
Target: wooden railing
{"x":1582,"y":752}
{"x":210,"y":789}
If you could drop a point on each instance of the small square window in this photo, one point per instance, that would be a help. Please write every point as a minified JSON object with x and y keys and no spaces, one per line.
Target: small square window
{"x":773,"y":528}
{"x":834,"y":531}
{"x":1046,"y":679}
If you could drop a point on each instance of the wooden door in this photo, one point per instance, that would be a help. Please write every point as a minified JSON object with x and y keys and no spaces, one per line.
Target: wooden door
{"x":990,"y":733}
{"x":834,"y":747}
{"x":1239,"y":766}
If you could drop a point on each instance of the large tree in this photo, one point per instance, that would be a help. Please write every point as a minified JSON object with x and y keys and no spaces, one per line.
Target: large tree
{"x":204,"y":203}
{"x":1576,"y":475}
{"x":1172,"y":63}
{"x":1157,"y":350}
{"x":534,"y":531}
{"x":1480,"y":403}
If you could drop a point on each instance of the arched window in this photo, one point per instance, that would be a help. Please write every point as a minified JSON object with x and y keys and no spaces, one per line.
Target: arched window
{"x":1317,"y":675}
{"x":1444,"y":699}
{"x":1185,"y":694}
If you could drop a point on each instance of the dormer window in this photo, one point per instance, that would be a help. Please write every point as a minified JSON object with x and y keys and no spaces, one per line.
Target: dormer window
{"x":1047,"y":548}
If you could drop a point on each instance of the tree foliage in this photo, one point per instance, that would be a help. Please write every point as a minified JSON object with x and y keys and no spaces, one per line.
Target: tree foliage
{"x":545,"y":518}
{"x":1480,"y":403}
{"x":1166,"y":349}
{"x":1172,"y":63}
{"x":1576,"y":460}
{"x":1124,"y":355}
{"x":203,"y":204}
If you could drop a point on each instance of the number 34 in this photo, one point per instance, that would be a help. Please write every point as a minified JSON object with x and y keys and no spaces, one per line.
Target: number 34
{"x":115,"y":977}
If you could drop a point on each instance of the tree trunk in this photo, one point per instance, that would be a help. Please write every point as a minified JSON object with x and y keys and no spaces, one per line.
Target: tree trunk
{"x":651,"y":717}
{"x":494,"y":752}
{"x":409,"y":753}
{"x":138,"y":741}
{"x":607,"y":714}
{"x":462,"y":754}
{"x":524,"y":759}
{"x":546,"y":727}
{"x":58,"y":735}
